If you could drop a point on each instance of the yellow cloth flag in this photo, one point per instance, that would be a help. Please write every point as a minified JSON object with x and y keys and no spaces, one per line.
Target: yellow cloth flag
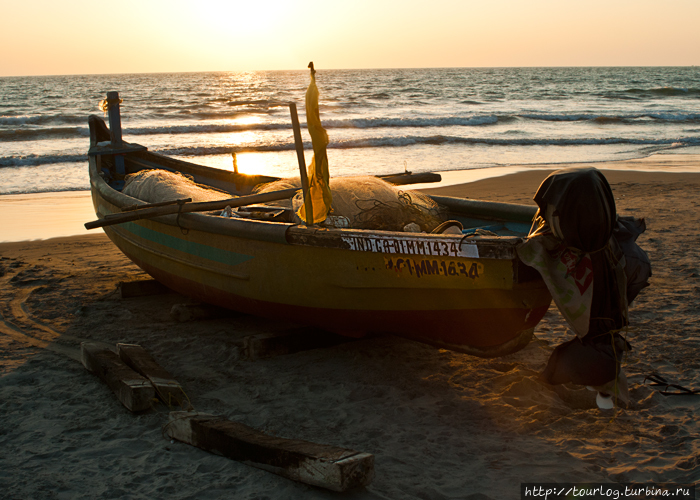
{"x":319,"y":177}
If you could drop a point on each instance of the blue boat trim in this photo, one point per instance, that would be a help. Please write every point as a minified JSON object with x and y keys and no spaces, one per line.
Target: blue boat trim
{"x":189,"y":247}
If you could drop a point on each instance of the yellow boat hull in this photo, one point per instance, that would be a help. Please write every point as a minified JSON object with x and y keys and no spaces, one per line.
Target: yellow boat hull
{"x":353,"y":282}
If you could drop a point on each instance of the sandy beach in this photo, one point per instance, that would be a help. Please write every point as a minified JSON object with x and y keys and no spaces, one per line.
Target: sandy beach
{"x":440,"y":424}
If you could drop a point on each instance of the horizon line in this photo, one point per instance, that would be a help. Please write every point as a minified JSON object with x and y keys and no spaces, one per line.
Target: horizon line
{"x":345,"y":69}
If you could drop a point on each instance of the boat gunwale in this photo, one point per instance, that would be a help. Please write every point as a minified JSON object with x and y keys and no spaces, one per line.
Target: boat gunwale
{"x":500,"y":247}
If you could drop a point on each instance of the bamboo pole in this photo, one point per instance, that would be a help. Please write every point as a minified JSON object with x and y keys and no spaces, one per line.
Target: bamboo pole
{"x":149,"y":213}
{"x":299,"y":145}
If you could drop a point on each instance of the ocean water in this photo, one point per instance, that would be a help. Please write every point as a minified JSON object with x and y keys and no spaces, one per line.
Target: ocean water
{"x":378,"y":121}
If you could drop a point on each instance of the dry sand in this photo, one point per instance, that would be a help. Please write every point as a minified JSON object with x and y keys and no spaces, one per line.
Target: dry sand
{"x":440,"y":424}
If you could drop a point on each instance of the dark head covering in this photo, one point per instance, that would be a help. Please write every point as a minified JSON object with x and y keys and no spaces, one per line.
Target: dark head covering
{"x":584,"y":202}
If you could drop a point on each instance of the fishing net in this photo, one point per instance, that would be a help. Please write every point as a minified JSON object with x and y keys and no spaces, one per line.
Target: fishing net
{"x":154,"y":186}
{"x":371,"y":203}
{"x":287,"y":183}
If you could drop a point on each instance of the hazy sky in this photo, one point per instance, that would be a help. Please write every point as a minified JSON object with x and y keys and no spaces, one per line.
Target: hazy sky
{"x":45,"y":37}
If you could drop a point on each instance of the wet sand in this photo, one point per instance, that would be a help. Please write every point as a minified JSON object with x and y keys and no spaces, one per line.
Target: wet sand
{"x":440,"y":424}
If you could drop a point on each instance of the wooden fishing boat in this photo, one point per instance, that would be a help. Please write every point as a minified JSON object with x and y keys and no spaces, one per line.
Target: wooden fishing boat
{"x":467,"y":294}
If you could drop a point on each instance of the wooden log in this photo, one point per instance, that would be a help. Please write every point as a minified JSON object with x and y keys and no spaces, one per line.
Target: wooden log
{"x":134,"y":391}
{"x":142,"y":288}
{"x":204,"y":206}
{"x":266,"y":345}
{"x":168,"y":390}
{"x":330,"y":467}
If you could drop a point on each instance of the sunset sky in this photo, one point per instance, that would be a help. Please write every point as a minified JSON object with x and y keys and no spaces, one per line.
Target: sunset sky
{"x":49,"y":37}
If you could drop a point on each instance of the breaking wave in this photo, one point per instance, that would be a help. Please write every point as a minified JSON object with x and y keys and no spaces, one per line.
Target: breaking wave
{"x":651,"y":93}
{"x":665,"y":91}
{"x":629,"y":118}
{"x":373,"y":142}
{"x":23,"y":134}
{"x":16,"y":133}
{"x":14,"y":121}
{"x":435,"y":140}
{"x":33,"y":160}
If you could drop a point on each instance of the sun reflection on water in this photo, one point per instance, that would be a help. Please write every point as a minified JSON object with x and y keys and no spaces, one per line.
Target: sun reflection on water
{"x":244,"y":120}
{"x":252,"y":164}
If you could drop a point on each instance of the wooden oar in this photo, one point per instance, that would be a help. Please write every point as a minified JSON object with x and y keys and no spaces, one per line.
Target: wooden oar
{"x":149,"y":213}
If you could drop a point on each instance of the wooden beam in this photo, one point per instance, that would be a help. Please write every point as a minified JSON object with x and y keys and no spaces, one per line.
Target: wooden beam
{"x":266,"y":345}
{"x":330,"y":467}
{"x":167,"y":388}
{"x":134,"y":391}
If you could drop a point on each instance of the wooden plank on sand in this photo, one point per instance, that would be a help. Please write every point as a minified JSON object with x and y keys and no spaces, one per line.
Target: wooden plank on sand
{"x":266,"y":345}
{"x":330,"y":467}
{"x":134,"y":391}
{"x":167,"y":388}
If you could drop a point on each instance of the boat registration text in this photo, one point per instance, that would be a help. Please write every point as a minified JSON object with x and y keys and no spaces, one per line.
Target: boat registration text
{"x":412,"y":246}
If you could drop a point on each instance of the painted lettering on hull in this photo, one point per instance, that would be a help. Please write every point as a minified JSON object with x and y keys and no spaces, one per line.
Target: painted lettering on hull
{"x":435,"y":267}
